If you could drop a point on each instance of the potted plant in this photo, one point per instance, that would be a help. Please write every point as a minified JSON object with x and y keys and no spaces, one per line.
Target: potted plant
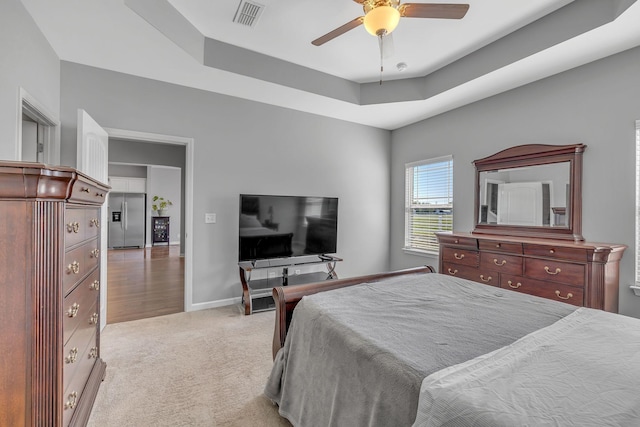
{"x":160,"y":204}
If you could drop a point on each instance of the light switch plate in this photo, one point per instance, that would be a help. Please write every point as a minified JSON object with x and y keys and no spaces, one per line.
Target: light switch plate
{"x":209,"y":218}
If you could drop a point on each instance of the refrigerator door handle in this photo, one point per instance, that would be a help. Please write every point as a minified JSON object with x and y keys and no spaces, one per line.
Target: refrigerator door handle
{"x":122,"y":214}
{"x":126,"y":216}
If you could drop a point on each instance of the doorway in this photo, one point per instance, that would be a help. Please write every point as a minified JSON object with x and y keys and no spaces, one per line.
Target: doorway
{"x":150,"y":274}
{"x":37,"y":132}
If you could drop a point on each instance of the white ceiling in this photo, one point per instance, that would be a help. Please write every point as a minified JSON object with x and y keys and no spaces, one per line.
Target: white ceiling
{"x":108,"y":34}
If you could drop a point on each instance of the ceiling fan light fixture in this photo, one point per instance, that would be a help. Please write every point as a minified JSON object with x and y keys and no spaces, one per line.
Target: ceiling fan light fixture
{"x":381,"y":20}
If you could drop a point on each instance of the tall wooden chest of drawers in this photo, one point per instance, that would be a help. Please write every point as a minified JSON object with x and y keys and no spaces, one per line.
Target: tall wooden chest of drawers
{"x":50,"y":367}
{"x":580,"y":273}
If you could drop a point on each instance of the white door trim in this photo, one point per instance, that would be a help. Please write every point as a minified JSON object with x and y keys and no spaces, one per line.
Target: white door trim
{"x":188,"y":197}
{"x":28,"y":104}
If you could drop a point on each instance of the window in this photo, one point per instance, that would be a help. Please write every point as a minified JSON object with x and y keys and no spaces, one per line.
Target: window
{"x":428,"y":203}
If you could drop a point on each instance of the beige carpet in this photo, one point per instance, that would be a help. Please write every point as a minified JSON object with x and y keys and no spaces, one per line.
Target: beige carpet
{"x":204,"y":368}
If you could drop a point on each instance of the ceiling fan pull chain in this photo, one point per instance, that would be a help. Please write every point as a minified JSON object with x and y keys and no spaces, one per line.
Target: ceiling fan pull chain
{"x":380,"y":34}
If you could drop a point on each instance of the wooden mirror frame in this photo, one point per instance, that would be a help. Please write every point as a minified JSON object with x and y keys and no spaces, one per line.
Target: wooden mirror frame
{"x":533,"y":155}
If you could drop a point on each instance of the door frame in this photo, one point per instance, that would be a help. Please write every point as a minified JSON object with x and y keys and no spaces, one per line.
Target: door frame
{"x":188,"y":143}
{"x":31,"y":107}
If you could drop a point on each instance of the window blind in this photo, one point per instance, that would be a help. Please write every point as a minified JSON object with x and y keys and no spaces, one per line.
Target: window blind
{"x":428,"y":202}
{"x":637,"y":202}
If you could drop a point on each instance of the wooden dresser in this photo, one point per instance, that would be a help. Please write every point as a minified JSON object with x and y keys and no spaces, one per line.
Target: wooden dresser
{"x":580,"y":273}
{"x":50,"y":368}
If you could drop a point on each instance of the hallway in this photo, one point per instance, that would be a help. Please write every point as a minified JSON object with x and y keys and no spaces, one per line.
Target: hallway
{"x":144,"y":283}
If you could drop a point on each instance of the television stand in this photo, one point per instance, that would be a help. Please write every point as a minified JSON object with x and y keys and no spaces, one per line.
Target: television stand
{"x":256,"y":291}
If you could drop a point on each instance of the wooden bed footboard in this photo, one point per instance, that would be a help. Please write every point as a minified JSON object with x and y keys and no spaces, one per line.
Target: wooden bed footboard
{"x":287,"y":297}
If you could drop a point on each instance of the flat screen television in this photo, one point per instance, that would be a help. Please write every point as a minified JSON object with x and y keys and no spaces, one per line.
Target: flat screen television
{"x":286,"y":226}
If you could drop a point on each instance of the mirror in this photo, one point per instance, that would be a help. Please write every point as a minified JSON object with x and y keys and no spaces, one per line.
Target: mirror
{"x":530,"y":190}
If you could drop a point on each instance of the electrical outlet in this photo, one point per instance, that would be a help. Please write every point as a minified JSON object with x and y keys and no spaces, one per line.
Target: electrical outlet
{"x":297,"y":272}
{"x":209,"y":218}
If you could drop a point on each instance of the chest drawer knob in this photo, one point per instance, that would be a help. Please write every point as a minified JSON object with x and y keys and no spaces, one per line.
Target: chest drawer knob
{"x":73,"y":227}
{"x":73,"y":310}
{"x":95,"y":286}
{"x":72,"y":400}
{"x":488,"y":279}
{"x":84,"y":190}
{"x":503,"y":262}
{"x":548,"y":270}
{"x":95,"y":221}
{"x":456,"y":256}
{"x":569,"y":295}
{"x":74,"y":267}
{"x":552,"y":251}
{"x":93,"y":319}
{"x":93,"y":353}
{"x":511,"y":285}
{"x":452,"y":272}
{"x":456,"y":241}
{"x":73,"y":355}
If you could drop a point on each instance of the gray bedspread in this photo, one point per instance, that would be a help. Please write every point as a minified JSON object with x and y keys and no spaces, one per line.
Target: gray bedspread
{"x":357,"y":356}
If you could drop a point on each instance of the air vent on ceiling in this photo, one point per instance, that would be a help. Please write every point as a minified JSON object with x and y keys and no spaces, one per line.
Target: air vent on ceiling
{"x":248,"y":13}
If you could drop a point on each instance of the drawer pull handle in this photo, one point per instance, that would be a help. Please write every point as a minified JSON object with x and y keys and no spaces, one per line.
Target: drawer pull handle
{"x":552,"y":251}
{"x":94,"y":253}
{"x":95,"y":221}
{"x":456,"y":256}
{"x":84,"y":190}
{"x":488,"y":279}
{"x":93,"y":353}
{"x":74,"y":267}
{"x":569,"y":295}
{"x":548,"y":270}
{"x":72,"y":400}
{"x":73,"y":354}
{"x":516,"y":286}
{"x":99,"y":194}
{"x":503,"y":262}
{"x":93,"y":320}
{"x":73,"y":227}
{"x":452,"y":272}
{"x":73,"y":310}
{"x":95,"y":286}
{"x":497,"y":245}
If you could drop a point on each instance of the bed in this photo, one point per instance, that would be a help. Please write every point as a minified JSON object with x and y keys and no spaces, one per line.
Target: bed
{"x":418,"y":348}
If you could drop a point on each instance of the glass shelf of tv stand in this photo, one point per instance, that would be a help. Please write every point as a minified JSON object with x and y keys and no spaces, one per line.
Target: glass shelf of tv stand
{"x":256,"y":292}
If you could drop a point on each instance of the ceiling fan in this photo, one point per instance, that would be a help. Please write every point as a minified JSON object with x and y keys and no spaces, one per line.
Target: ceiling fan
{"x":382,"y":16}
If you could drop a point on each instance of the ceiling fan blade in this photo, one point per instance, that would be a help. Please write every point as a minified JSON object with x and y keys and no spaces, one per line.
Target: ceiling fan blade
{"x":338,"y":31}
{"x":433,"y":10}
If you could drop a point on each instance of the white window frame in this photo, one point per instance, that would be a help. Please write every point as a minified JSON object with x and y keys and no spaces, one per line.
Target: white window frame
{"x":429,"y":247}
{"x":637,"y":279}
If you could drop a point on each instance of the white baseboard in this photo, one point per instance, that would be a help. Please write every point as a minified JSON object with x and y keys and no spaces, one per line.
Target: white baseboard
{"x":214,"y":304}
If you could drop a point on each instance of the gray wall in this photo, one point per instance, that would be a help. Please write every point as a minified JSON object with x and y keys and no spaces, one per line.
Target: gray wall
{"x":596,"y":104}
{"x":129,"y":171}
{"x":28,"y":61}
{"x":246,"y":147}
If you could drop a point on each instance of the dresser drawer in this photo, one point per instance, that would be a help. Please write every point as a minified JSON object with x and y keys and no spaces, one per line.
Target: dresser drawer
{"x":498,"y":246}
{"x":460,"y":256}
{"x":78,"y":262}
{"x":79,"y":309}
{"x":559,"y":252}
{"x":550,"y":290}
{"x":75,"y":349}
{"x":461,"y":271}
{"x":468,"y":242}
{"x":556,"y":271}
{"x":85,"y":191}
{"x":500,"y":262}
{"x":74,"y":226}
{"x":73,"y":390}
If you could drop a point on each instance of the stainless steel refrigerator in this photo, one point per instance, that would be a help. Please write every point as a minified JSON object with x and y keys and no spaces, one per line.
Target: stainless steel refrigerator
{"x":126,"y":220}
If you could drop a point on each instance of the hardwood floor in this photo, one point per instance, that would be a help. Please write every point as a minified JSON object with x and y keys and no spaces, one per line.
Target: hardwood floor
{"x":144,"y":283}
